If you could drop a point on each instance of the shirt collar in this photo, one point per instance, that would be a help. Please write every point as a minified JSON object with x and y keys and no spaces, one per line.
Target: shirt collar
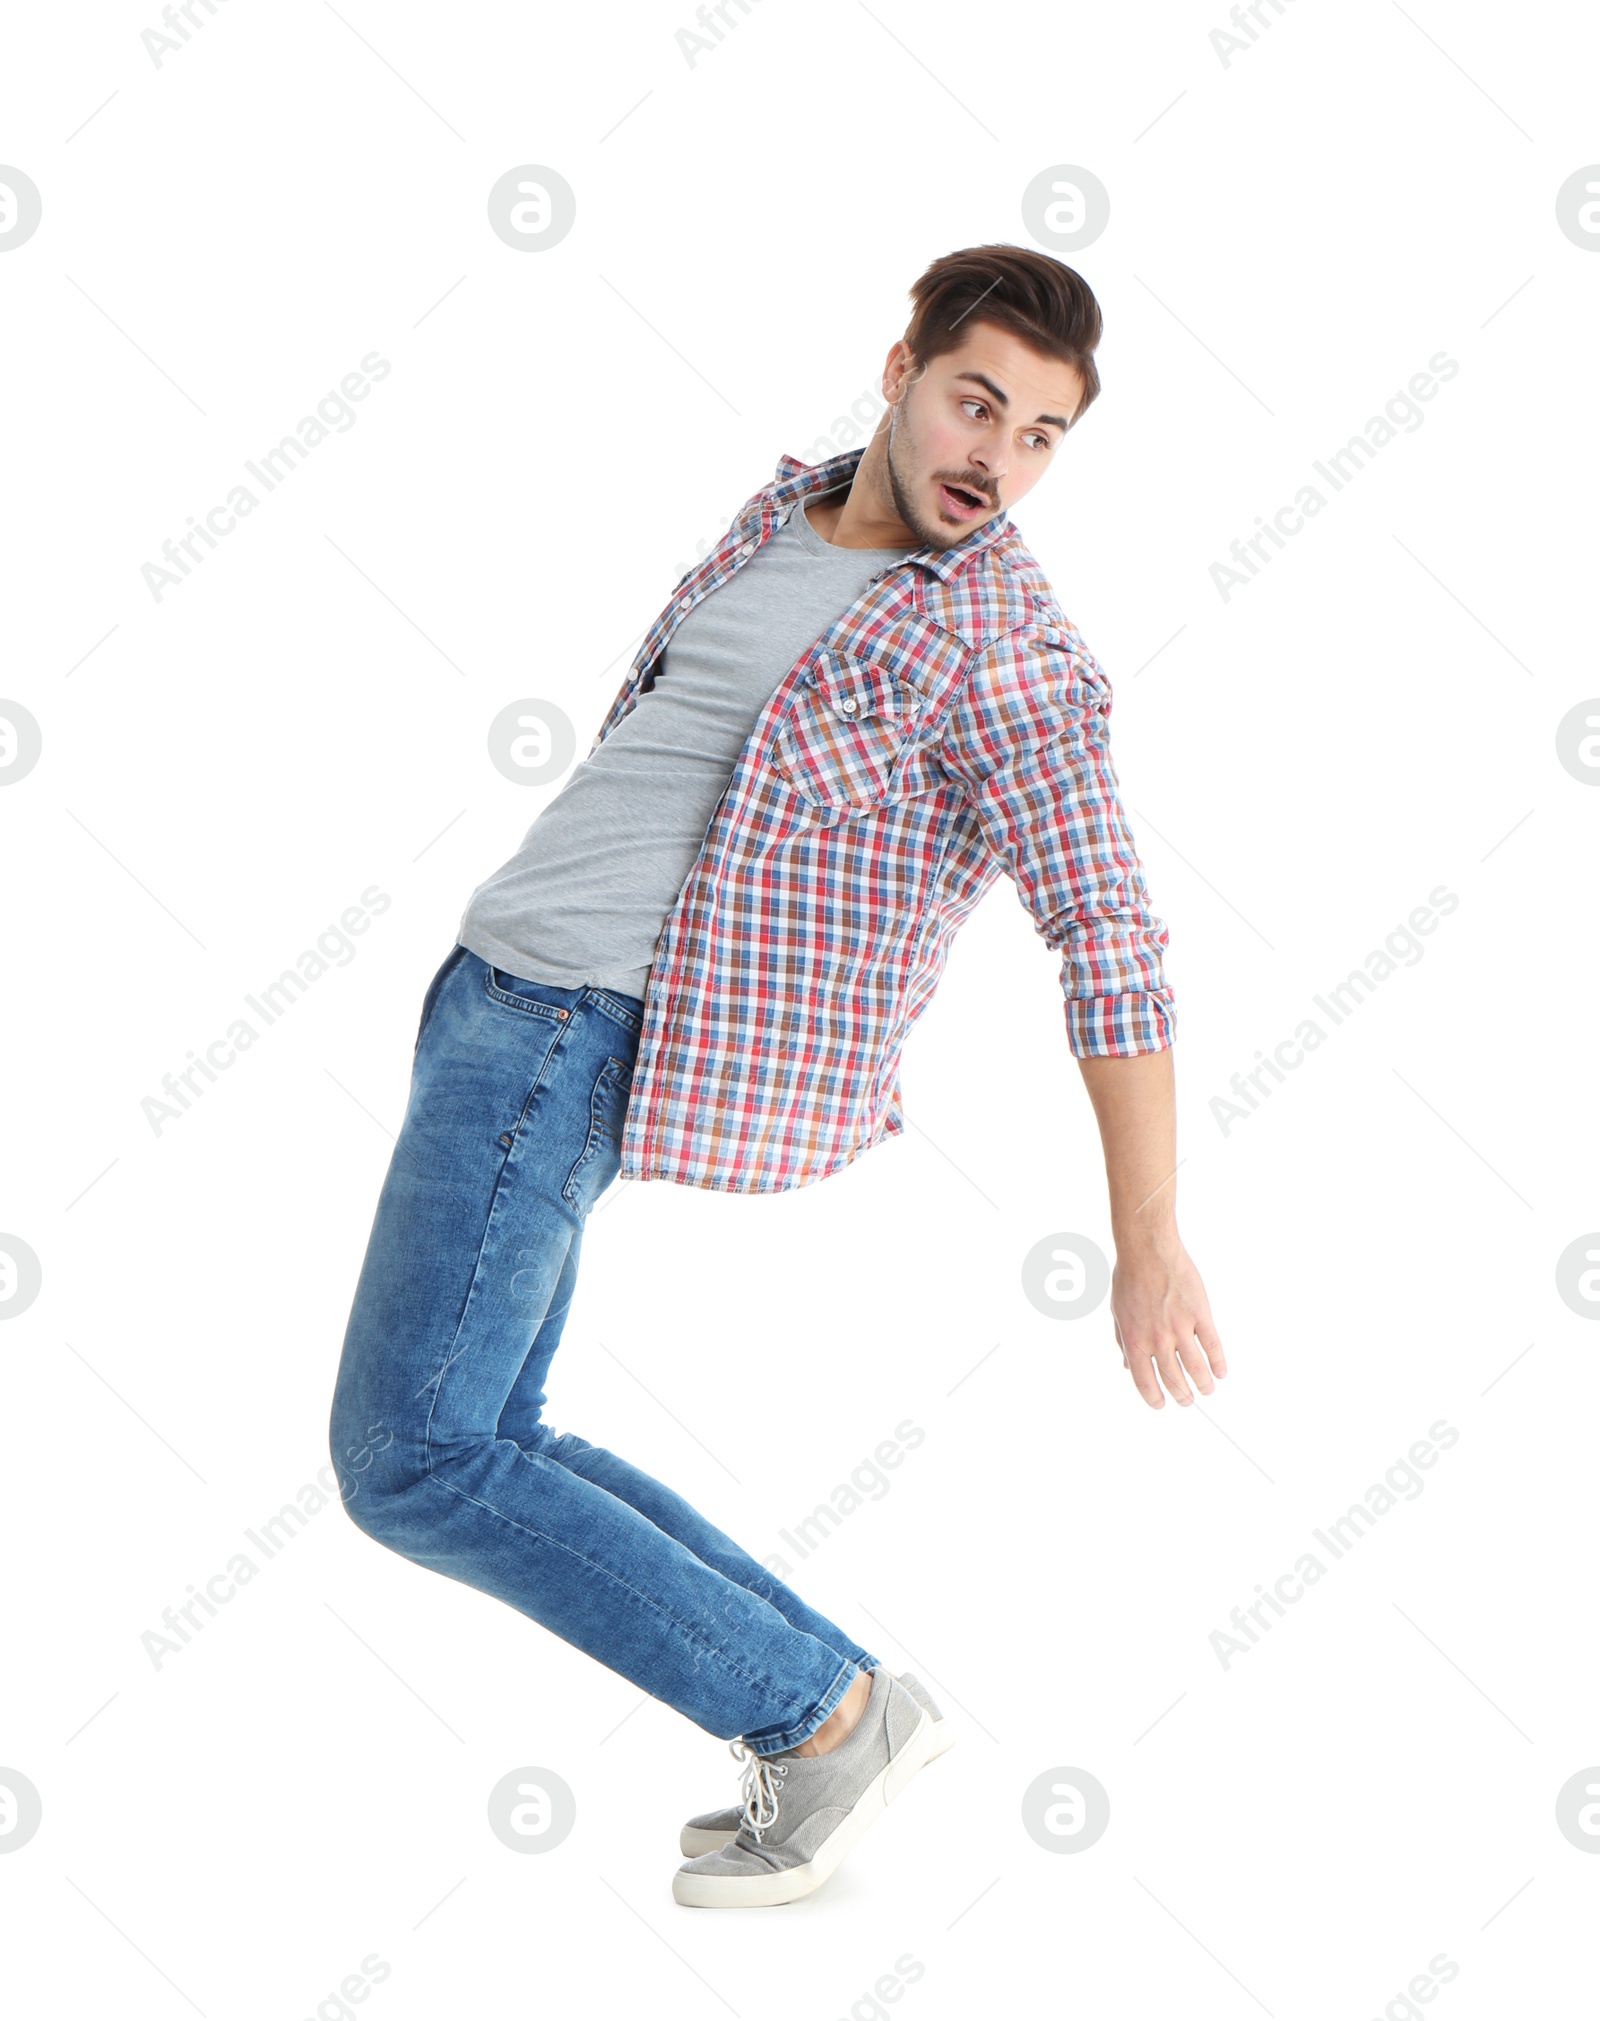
{"x":795,"y":480}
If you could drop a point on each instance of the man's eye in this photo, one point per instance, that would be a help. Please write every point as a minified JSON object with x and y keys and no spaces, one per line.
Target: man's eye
{"x":978,"y":404}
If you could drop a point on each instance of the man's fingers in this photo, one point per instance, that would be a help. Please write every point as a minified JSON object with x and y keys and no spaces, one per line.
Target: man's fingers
{"x":1166,"y":1360}
{"x":1193,"y":1354}
{"x":1137,"y":1362}
{"x":1197,"y":1366}
{"x":1178,"y":1362}
{"x":1211,"y":1341}
{"x":1195,"y":1357}
{"x":1142,"y":1369}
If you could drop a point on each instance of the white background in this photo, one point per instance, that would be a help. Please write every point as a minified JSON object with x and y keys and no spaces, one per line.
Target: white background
{"x":1292,"y":236}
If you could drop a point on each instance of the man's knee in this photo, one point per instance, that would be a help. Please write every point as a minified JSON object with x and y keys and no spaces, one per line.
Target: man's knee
{"x":370,"y":1458}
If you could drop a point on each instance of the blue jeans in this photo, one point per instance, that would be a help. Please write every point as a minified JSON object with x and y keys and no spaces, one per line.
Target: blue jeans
{"x":518,"y":1095}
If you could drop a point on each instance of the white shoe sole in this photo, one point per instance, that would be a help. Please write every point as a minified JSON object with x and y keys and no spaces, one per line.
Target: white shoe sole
{"x":697,"y":1839}
{"x":718,"y":1891}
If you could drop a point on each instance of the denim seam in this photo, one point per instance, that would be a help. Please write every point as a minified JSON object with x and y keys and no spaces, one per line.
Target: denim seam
{"x":437,"y":1379}
{"x":527,"y":1006}
{"x":597,"y":1132}
{"x":604,"y":1000}
{"x":605,"y":1571}
{"x":430,"y":1001}
{"x":792,"y":1736}
{"x":867,"y":1662}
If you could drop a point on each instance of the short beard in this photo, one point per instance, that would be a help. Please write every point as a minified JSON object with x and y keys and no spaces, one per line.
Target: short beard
{"x":932,"y":535}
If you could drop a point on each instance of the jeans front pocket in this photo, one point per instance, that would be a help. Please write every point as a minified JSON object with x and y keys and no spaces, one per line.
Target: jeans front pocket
{"x":552,"y":1002}
{"x":845,"y":731}
{"x":601,"y":1158}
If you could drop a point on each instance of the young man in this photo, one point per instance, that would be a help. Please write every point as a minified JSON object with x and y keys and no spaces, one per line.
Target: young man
{"x":701,"y":966}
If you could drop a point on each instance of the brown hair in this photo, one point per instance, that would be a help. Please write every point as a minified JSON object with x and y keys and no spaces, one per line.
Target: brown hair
{"x":1045,"y":303}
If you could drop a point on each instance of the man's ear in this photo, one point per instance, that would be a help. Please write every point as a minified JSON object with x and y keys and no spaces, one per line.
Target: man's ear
{"x":899,"y":371}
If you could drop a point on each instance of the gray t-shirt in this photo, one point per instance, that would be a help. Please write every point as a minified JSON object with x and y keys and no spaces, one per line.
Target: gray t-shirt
{"x":587,"y":894}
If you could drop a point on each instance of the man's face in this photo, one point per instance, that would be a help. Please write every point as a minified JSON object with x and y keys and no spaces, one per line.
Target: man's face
{"x":974,"y":431}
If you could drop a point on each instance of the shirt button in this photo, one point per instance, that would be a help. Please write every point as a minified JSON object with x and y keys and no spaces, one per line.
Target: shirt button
{"x":848,"y":705}
{"x":748,"y":548}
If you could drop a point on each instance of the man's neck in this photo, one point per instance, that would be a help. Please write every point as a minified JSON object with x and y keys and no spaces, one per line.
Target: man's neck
{"x":863,"y":516}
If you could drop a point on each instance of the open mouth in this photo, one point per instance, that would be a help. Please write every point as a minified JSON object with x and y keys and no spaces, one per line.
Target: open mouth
{"x":961,"y":501}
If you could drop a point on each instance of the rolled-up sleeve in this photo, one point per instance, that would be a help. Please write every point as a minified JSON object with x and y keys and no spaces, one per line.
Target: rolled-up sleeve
{"x":1028,"y":737}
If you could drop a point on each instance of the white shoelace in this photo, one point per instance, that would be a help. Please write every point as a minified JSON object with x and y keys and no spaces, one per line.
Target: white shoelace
{"x":759,"y":1787}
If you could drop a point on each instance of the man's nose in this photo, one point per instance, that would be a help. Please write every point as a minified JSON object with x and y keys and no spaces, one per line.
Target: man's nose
{"x":990,"y":458}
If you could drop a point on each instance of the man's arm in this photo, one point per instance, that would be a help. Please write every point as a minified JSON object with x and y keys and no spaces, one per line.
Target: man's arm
{"x":1158,"y":1304}
{"x":1028,"y":738}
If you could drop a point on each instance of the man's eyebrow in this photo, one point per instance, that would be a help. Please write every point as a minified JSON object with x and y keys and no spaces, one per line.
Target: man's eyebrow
{"x":1000,"y":400}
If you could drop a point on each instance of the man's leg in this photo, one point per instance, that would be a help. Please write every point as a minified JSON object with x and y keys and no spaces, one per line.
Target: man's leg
{"x":517,"y":1099}
{"x":522,"y":1420}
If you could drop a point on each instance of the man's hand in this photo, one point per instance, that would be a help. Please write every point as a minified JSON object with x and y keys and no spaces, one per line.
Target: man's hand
{"x":1163,"y":1322}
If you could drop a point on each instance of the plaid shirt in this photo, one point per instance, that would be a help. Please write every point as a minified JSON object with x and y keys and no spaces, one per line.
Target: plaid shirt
{"x":949,"y":725}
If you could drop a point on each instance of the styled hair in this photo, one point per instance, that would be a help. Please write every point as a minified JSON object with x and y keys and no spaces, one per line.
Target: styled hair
{"x":1044,"y":302}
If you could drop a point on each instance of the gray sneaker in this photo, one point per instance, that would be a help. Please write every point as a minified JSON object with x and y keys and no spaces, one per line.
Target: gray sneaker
{"x":713,"y":1828}
{"x":802,"y":1813}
